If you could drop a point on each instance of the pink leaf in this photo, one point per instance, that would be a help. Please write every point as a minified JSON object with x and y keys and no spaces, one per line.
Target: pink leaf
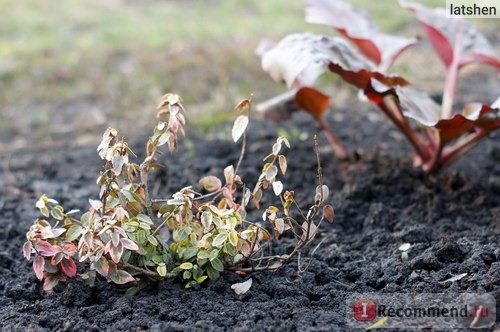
{"x":27,"y":250}
{"x":38,"y":266}
{"x":69,"y":249}
{"x":68,"y":266}
{"x":444,"y":34}
{"x":356,"y":25}
{"x":45,"y":249}
{"x":57,"y":258}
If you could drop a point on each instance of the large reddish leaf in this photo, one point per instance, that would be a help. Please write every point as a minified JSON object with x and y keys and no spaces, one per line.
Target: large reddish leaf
{"x":453,"y":37}
{"x":475,"y":115}
{"x":312,"y":101}
{"x":68,"y":266}
{"x":356,"y":25}
{"x":421,"y":107}
{"x":299,"y":59}
{"x":363,"y":78}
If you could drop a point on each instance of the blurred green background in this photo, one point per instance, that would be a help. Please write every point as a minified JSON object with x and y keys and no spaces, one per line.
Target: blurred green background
{"x":70,"y":68}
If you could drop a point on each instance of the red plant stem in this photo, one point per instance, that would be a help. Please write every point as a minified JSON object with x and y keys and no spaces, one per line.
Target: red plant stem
{"x":392,"y":110}
{"x":451,"y":77}
{"x":451,"y":154}
{"x":434,"y":163}
{"x":338,"y":147}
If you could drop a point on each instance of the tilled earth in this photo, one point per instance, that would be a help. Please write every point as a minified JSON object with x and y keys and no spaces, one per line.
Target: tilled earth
{"x":451,"y":221}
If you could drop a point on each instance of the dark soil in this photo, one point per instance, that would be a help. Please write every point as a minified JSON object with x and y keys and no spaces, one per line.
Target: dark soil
{"x":380,"y":201}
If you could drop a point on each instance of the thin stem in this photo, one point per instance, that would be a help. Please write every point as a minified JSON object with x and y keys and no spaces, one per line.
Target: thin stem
{"x":242,"y":152}
{"x":149,"y":273}
{"x":145,"y":185}
{"x":451,"y":76}
{"x":392,"y":110}
{"x":437,"y":153}
{"x":462,"y":147}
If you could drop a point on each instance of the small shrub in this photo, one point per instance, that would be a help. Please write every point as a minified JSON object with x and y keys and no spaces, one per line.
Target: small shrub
{"x":127,"y":236}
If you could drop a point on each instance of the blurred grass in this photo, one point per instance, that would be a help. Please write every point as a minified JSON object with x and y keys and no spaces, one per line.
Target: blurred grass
{"x":75,"y":66}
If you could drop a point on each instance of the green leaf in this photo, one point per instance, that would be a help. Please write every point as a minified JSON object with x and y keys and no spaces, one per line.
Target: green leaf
{"x":45,"y":211}
{"x":144,"y":218}
{"x":189,"y":253}
{"x":212,"y":273}
{"x":214,"y":254}
{"x":162,"y":269}
{"x":203,"y":254}
{"x":40,"y":204}
{"x":152,"y":240}
{"x":186,"y":274}
{"x":219,"y":240}
{"x":140,"y":236}
{"x":121,"y":277}
{"x":144,"y":225}
{"x":201,"y":279}
{"x":182,"y":233}
{"x":57,"y":212}
{"x":211,"y":183}
{"x":233,"y":238}
{"x":230,"y":250}
{"x":217,"y":264}
{"x":201,"y":261}
{"x":73,"y":232}
{"x":206,"y":219}
{"x":186,"y":266}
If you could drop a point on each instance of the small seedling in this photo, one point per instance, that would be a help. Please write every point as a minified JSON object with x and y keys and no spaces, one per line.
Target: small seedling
{"x":404,"y":248}
{"x":201,"y":230}
{"x":362,"y":55}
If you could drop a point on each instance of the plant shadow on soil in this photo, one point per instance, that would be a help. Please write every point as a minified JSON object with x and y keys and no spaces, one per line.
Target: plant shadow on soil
{"x":380,"y":201}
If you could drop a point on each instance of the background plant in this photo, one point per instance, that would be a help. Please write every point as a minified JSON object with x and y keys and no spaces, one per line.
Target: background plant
{"x":128,"y":236}
{"x":362,"y":56}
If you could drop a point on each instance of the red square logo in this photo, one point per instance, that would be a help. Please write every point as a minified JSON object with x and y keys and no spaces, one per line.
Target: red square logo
{"x":364,"y":310}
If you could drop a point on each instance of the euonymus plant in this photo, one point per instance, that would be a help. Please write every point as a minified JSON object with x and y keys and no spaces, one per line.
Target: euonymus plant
{"x":127,"y":236}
